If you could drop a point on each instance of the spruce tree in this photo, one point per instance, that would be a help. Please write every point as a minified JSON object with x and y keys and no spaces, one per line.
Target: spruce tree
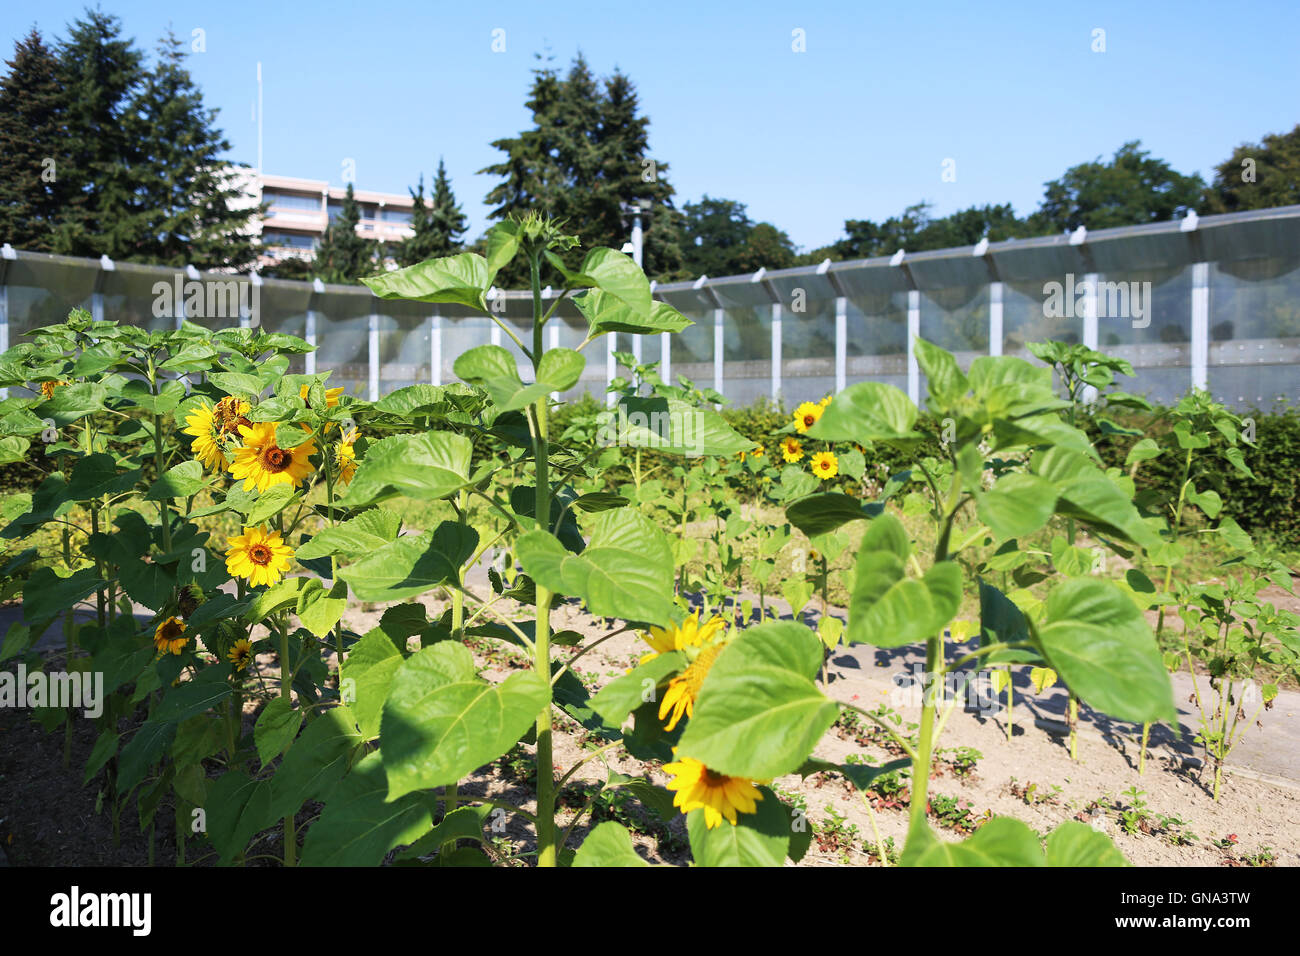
{"x":585,"y":157}
{"x":438,"y":228}
{"x":344,"y":256}
{"x":99,"y":71}
{"x":190,"y":207}
{"x":34,"y":167}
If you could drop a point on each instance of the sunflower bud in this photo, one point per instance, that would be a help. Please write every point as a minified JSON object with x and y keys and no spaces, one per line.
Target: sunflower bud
{"x":189,"y":600}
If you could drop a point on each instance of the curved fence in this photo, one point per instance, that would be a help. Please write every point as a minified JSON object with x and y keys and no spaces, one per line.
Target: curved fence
{"x":1211,"y":302}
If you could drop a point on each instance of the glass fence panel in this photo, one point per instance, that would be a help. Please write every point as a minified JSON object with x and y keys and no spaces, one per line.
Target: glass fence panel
{"x":343,"y":339}
{"x":403,"y":343}
{"x":281,"y":306}
{"x":876,"y":338}
{"x":808,"y":351}
{"x":44,"y":289}
{"x":1254,"y":347}
{"x":746,"y":353}
{"x":1145,"y":316}
{"x":692,"y":349}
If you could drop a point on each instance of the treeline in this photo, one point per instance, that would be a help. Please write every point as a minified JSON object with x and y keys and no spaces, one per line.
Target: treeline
{"x":102,"y":153}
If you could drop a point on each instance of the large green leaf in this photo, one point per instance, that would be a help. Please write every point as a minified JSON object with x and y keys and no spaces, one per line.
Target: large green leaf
{"x":276,"y":728}
{"x":1000,"y":842}
{"x":1077,"y":844}
{"x":609,"y":844}
{"x":1100,"y":643}
{"x":441,"y":722}
{"x":192,"y":697}
{"x":316,"y":761}
{"x":179,"y":481}
{"x":608,"y":313}
{"x":945,"y":380}
{"x":360,"y":824}
{"x":761,"y":838}
{"x":1086,"y":494}
{"x":425,"y":466}
{"x":238,"y":807}
{"x":886,"y":607}
{"x":357,"y":536}
{"x":367,"y":676}
{"x":97,"y":475}
{"x":412,"y":564}
{"x":759,"y":712}
{"x":823,"y":513}
{"x":626,"y":570}
{"x":625,"y":694}
{"x":614,"y":274}
{"x":672,"y":427}
{"x":463,"y":279}
{"x":1018,"y":504}
{"x":868,"y":412}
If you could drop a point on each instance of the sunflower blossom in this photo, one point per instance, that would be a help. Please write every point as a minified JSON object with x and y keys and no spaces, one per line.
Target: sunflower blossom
{"x":240,"y":654}
{"x":345,"y":457}
{"x":806,"y":415}
{"x":169,"y":636}
{"x":262,"y":463}
{"x":825,"y":465}
{"x":719,"y":796}
{"x":682,"y":690}
{"x":208,"y":444}
{"x":260,"y":557}
{"x":47,"y":388}
{"x":675,"y":637}
{"x":791,"y":448}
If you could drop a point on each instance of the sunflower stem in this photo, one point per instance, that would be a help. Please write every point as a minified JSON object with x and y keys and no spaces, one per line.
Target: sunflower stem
{"x":546,"y":848}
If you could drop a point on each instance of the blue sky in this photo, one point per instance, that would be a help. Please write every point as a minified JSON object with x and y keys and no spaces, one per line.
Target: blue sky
{"x":858,"y":126}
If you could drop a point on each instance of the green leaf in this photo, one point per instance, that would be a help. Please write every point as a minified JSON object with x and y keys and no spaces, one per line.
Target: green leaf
{"x":97,"y":475}
{"x":759,"y":712}
{"x":360,"y":824}
{"x":1100,"y":643}
{"x":192,"y":697}
{"x":560,"y":368}
{"x":276,"y":728}
{"x":671,"y":427}
{"x":180,"y":481}
{"x":367,"y":676}
{"x":946,"y":382}
{"x":269,"y":504}
{"x":1018,"y":504}
{"x":463,"y":823}
{"x":868,"y":412}
{"x":462,"y":279}
{"x":823,"y":513}
{"x":441,"y":722}
{"x":316,"y":761}
{"x":238,"y":808}
{"x":425,"y":466}
{"x":626,"y":570}
{"x":609,"y":844}
{"x":319,"y":610}
{"x":614,"y":274}
{"x":607,"y":313}
{"x":1000,"y":842}
{"x":886,"y":607}
{"x":1077,"y":844}
{"x":365,"y":533}
{"x":142,"y":751}
{"x":412,"y":564}
{"x":761,"y":838}
{"x":284,"y":594}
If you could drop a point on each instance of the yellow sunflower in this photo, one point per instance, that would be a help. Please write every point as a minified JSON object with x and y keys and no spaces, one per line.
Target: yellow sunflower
{"x":240,"y":654}
{"x":47,"y":388}
{"x":262,"y":463}
{"x":791,"y":448}
{"x":718,"y":795}
{"x":826,"y":401}
{"x":345,"y":457}
{"x":682,"y":690}
{"x":825,"y":465}
{"x":169,"y":636}
{"x":806,"y":415}
{"x":261,"y":557}
{"x":208,"y":445}
{"x":690,"y":633}
{"x":759,"y":452}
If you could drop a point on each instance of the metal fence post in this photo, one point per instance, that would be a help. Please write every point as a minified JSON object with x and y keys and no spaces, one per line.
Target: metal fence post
{"x":913,"y":333}
{"x":719,"y":317}
{"x":435,"y":349}
{"x":995,"y":318}
{"x":373,"y":348}
{"x":1200,"y":324}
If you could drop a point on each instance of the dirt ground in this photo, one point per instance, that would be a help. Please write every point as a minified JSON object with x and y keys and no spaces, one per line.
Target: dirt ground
{"x":48,"y":818}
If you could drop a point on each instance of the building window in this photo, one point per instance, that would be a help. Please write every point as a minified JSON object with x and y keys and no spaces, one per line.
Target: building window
{"x":291,"y":201}
{"x":397,"y":215}
{"x":289,"y":240}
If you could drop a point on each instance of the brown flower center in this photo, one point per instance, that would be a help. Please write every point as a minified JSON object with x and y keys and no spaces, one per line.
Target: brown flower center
{"x":809,"y":421}
{"x":172,"y":630}
{"x":276,"y":459}
{"x":260,"y":554}
{"x":714,"y":779}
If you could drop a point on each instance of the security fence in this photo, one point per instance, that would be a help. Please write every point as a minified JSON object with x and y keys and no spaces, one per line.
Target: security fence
{"x":1212,"y":302}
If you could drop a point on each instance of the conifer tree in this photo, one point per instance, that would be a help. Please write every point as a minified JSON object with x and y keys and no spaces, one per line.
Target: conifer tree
{"x":438,"y":228}
{"x":343,"y":255}
{"x":34,"y":171}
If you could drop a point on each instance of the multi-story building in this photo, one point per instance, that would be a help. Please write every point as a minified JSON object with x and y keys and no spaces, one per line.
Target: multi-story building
{"x":299,"y":210}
